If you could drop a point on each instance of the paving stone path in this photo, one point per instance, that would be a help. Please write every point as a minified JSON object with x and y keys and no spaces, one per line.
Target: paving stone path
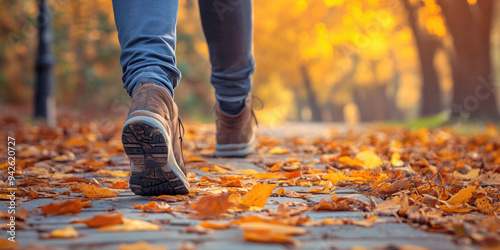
{"x":175,"y":237}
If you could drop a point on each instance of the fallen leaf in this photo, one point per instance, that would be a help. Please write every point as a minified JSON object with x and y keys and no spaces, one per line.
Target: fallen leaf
{"x":396,"y":160}
{"x":474,"y":173}
{"x":370,"y":160}
{"x":100,"y":220}
{"x":265,"y":236}
{"x":141,"y":245}
{"x":462,"y":196}
{"x":93,"y":191}
{"x":279,"y":151}
{"x":63,"y":208}
{"x":194,"y":159}
{"x":68,"y":232}
{"x":213,"y":205}
{"x":7,"y":244}
{"x":119,"y":184}
{"x":214,"y":225}
{"x":273,"y":228}
{"x":115,"y":173}
{"x":257,"y":197}
{"x":130,"y":225}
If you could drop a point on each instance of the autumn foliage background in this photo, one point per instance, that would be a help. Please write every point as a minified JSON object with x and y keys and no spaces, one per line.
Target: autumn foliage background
{"x":321,"y":60}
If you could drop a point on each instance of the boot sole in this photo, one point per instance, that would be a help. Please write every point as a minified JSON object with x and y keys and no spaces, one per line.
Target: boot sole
{"x":235,"y":150}
{"x":154,"y":170}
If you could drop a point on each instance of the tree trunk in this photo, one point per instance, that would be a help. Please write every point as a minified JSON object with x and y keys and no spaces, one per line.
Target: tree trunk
{"x":473,"y":90}
{"x":431,"y":99}
{"x":298,"y":104}
{"x":311,"y":95}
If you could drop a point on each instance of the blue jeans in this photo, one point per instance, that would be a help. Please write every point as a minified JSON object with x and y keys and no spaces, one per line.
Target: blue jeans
{"x":146,"y":31}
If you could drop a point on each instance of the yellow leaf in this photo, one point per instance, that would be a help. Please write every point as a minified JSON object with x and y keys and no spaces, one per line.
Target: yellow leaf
{"x":334,"y":177}
{"x":68,"y":232}
{"x":194,"y":159}
{"x":396,"y":160}
{"x":257,"y":197}
{"x":263,"y":176}
{"x":462,"y":196}
{"x":273,"y":228}
{"x":141,"y":245}
{"x":369,"y":159}
{"x":58,"y":175}
{"x":474,"y":173}
{"x":279,"y":151}
{"x":131,"y":225}
{"x":351,"y":162}
{"x":115,"y":173}
{"x":93,"y":191}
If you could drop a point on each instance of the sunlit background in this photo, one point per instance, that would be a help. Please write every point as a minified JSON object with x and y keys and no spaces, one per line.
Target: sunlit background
{"x":317,"y":60}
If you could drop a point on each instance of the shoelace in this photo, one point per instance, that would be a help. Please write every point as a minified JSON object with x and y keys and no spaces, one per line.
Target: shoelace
{"x":181,"y":126}
{"x":253,"y":113}
{"x":261,"y":107}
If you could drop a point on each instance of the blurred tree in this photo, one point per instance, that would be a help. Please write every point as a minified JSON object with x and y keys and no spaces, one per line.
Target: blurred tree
{"x":427,"y":44}
{"x":469,"y":23}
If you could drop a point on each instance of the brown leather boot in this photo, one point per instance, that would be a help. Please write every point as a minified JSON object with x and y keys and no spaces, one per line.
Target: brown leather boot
{"x":235,"y":133}
{"x":152,"y":140}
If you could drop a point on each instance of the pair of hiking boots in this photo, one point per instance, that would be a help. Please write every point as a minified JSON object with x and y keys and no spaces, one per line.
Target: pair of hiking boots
{"x":152,"y":139}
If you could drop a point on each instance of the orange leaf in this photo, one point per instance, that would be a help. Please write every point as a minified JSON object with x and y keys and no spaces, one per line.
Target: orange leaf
{"x":275,"y":167}
{"x":63,"y":208}
{"x":213,"y":205}
{"x":194,"y":159}
{"x":462,"y":196}
{"x":140,"y":245}
{"x":7,"y":244}
{"x":351,"y":162}
{"x":296,"y":173}
{"x":119,"y":184}
{"x":101,"y":220}
{"x":273,"y":228}
{"x":213,"y":225}
{"x":267,"y":176}
{"x":68,"y":232}
{"x":257,"y":197}
{"x":265,"y":236}
{"x":93,"y":191}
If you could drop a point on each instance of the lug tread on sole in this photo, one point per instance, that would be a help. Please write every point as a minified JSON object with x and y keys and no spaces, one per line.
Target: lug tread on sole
{"x":146,"y":147}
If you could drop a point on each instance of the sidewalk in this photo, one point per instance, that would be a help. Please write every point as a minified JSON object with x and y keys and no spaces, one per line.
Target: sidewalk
{"x":177,"y":229}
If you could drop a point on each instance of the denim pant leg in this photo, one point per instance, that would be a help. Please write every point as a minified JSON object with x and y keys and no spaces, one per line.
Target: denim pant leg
{"x":146,"y":31}
{"x":227,"y":25}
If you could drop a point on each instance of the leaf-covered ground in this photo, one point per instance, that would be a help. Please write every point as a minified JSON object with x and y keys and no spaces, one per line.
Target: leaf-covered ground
{"x":434,"y":185}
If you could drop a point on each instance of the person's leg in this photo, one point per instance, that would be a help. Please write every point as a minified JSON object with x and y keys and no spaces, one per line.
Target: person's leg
{"x":146,"y":31}
{"x":227,"y":25}
{"x":151,"y":134}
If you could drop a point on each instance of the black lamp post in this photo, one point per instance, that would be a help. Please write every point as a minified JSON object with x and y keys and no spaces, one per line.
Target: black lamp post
{"x":44,"y":101}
